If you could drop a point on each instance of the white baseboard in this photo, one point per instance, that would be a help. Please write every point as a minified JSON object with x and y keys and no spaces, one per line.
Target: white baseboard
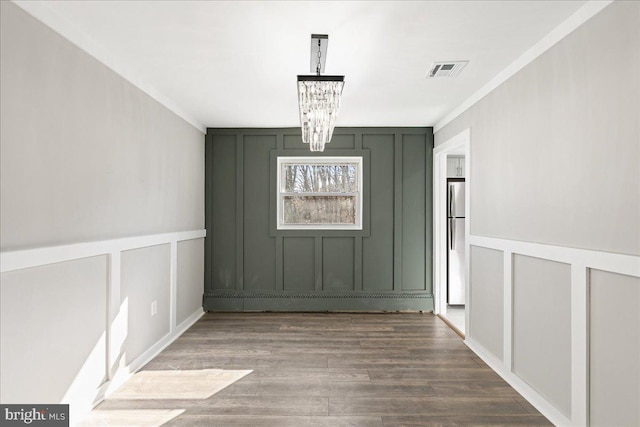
{"x":126,"y":372}
{"x":79,"y":410}
{"x":148,"y":355}
{"x":539,"y":402}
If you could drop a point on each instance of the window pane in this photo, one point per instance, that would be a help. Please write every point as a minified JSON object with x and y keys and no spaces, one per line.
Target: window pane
{"x":319,"y":210}
{"x":315,"y":178}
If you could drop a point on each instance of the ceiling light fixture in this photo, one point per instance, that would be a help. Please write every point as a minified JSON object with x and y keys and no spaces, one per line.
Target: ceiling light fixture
{"x":318,"y":98}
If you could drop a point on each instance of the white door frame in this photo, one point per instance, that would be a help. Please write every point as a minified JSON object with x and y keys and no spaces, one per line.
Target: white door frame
{"x":458,"y":145}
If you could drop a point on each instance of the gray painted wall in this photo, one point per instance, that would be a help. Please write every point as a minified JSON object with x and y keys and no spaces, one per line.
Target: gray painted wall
{"x":84,"y":154}
{"x":555,"y":159}
{"x":615,"y":349}
{"x":554,"y":150}
{"x":250,"y":265}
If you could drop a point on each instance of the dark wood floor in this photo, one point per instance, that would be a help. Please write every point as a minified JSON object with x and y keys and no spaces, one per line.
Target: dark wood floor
{"x":336,"y":370}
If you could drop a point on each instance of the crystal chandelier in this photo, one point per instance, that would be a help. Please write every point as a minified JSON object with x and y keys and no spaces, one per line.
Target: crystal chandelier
{"x":318,"y":98}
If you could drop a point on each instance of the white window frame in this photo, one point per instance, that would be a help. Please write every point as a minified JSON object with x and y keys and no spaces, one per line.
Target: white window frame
{"x":317,"y":160}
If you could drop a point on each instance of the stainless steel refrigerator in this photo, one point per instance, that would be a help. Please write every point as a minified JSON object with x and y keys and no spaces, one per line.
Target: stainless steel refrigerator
{"x":455,"y":242}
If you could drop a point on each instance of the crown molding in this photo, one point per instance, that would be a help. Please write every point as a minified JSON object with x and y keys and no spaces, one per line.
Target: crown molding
{"x":574,"y":21}
{"x":61,"y":25}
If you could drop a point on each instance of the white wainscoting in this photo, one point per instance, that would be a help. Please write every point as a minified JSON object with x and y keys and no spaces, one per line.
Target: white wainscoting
{"x":581,"y":261}
{"x":82,"y":396}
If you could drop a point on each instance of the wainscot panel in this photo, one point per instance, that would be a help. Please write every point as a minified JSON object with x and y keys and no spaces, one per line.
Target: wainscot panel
{"x":542,"y":343}
{"x":111,"y":306}
{"x":614,"y":344}
{"x":145,"y":282}
{"x":577,"y":360}
{"x":487,"y":299}
{"x":52,"y":323}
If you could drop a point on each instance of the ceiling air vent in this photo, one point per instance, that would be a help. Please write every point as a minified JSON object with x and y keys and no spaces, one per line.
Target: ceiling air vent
{"x":446,"y":69}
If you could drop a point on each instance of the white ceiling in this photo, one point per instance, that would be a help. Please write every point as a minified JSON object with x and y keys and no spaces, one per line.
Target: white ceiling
{"x":234,"y":63}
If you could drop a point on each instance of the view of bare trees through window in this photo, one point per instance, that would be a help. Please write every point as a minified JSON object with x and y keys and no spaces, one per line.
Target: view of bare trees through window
{"x":319,"y":193}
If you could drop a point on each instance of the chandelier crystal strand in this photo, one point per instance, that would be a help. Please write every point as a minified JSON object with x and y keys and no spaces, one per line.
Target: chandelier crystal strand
{"x":319,"y":103}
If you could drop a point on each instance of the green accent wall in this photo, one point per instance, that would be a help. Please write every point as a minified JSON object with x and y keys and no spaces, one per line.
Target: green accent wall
{"x":250,"y":265}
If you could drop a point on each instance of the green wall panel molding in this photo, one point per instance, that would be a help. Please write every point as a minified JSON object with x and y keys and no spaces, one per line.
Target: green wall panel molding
{"x":411,"y":222}
{"x":250,"y":265}
{"x":259,"y":247}
{"x":220,"y":253}
{"x":298,"y":260}
{"x":338,"y":263}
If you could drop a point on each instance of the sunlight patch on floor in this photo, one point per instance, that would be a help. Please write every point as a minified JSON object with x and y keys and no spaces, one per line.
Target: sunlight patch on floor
{"x":130,"y":417}
{"x":196,"y":384}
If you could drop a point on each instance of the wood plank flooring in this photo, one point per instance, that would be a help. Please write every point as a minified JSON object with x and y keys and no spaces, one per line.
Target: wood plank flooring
{"x":335,"y":369}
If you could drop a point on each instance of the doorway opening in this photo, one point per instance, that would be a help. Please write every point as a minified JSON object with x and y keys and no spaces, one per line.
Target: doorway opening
{"x":451,"y":167}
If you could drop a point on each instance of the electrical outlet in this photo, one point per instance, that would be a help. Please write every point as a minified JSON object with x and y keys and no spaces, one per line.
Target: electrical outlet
{"x":154,"y":307}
